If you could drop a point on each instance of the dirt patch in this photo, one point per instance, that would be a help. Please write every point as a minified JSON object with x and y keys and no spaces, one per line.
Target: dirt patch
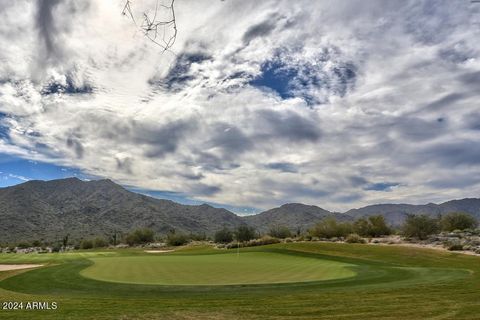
{"x":426,"y":246}
{"x":7,"y":267}
{"x":158,"y":251}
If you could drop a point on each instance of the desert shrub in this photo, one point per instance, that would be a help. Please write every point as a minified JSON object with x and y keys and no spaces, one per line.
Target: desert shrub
{"x":36,"y":243}
{"x":330,"y":228}
{"x":378,"y":226}
{"x":253,"y":242}
{"x":198,"y":236}
{"x":86,"y":244}
{"x":454,"y":246}
{"x":373,"y":226}
{"x":280,"y":232}
{"x":177,"y":239}
{"x":419,"y":226}
{"x":23,"y":245}
{"x":140,"y":236}
{"x":224,"y":235}
{"x":362,"y":227}
{"x":306,"y":237}
{"x":354,"y":238}
{"x":457,"y":221}
{"x":262,"y":241}
{"x":99,"y":243}
{"x":244,"y":233}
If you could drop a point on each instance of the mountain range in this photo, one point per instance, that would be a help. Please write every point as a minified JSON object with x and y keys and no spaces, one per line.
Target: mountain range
{"x":49,"y":210}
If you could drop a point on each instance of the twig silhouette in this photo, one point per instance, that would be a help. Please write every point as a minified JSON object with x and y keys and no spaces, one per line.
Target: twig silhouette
{"x":156,"y":30}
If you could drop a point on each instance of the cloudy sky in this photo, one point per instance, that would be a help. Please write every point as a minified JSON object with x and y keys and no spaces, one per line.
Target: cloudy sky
{"x":334,"y":103}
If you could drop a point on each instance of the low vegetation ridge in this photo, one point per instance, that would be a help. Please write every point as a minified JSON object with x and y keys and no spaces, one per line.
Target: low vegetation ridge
{"x":51,"y":210}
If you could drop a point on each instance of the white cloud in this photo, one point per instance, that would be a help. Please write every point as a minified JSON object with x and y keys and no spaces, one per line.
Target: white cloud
{"x":87,"y":90}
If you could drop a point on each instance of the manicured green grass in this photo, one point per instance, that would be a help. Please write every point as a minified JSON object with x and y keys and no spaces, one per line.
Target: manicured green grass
{"x":216,"y":269}
{"x":389,"y":283}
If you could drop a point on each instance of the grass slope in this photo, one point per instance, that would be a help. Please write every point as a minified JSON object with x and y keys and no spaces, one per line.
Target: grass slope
{"x":390,"y":283}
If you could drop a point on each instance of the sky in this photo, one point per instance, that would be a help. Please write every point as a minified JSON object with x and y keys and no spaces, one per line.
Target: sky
{"x":339,"y":104}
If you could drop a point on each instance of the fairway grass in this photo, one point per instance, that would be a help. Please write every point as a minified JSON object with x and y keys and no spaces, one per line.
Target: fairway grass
{"x":216,"y":269}
{"x":347,"y":281}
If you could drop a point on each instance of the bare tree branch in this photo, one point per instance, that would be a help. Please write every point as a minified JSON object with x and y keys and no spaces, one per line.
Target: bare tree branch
{"x":161,"y":32}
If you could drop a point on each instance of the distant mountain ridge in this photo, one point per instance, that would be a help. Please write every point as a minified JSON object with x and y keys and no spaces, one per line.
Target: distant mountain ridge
{"x":395,"y":214}
{"x":296,"y":216}
{"x":49,"y":210}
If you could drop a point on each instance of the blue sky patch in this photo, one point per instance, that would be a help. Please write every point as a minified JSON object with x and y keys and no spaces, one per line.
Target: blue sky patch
{"x":312,"y":80}
{"x":277,"y":77}
{"x":68,"y":88}
{"x":15,"y":170}
{"x":4,"y":130}
{"x":179,"y":74}
{"x":182,"y":198}
{"x":282,"y":166}
{"x":381,"y":186}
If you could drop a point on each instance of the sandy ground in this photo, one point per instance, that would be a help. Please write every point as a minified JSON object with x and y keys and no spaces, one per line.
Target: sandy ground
{"x":158,"y":251}
{"x":6,"y":267}
{"x":426,"y":246}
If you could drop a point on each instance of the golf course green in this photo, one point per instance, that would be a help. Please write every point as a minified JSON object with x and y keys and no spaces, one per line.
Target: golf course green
{"x":289,"y":281}
{"x":216,"y":269}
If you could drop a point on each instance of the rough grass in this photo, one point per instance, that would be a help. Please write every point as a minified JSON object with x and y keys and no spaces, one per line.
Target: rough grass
{"x":390,"y":283}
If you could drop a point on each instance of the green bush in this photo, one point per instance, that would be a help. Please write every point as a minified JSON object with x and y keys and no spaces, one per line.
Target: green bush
{"x":99,"y":243}
{"x":330,"y":228}
{"x":23,"y":245}
{"x":362,"y":227}
{"x":454,"y":247}
{"x":373,"y":226}
{"x":86,"y":244}
{"x":140,"y":236}
{"x":457,"y":221}
{"x":280,"y":232}
{"x":36,"y":243}
{"x":198,"y":236}
{"x":244,"y":233}
{"x":224,"y":235}
{"x":177,"y":239}
{"x":419,"y":226}
{"x":354,"y":238}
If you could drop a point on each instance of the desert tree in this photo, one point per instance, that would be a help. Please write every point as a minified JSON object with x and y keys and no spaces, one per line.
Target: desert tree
{"x":245,"y":233}
{"x":420,"y":226}
{"x":279,"y":231}
{"x":329,"y":227}
{"x":373,"y":226}
{"x":223,"y":235}
{"x":65,"y":240}
{"x":457,"y":221}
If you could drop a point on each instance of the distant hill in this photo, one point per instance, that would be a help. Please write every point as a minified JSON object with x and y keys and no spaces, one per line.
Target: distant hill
{"x":49,"y":210}
{"x":294,"y":215}
{"x":395,"y":213}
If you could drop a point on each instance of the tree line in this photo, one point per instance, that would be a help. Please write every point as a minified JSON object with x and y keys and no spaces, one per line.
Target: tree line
{"x":415,"y":226}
